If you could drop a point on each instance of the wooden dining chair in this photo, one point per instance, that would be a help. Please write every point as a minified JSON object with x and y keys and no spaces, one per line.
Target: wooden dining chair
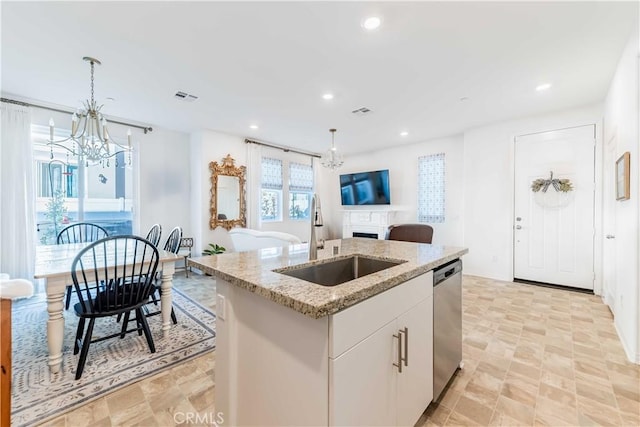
{"x":80,"y":232}
{"x":9,"y":290}
{"x":154,"y":234}
{"x":171,"y":245}
{"x":124,"y":285}
{"x":173,"y":241}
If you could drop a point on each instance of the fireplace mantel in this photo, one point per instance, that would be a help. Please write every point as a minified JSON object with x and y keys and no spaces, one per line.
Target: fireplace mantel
{"x":374,"y":222}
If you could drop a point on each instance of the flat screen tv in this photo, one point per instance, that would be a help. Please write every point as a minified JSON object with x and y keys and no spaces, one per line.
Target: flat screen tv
{"x":365,"y":188}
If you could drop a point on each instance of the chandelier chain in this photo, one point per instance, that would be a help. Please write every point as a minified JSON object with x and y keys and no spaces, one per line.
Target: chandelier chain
{"x":92,"y":67}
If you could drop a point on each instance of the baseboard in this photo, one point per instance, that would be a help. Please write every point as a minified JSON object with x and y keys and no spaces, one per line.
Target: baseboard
{"x":631,"y":355}
{"x":549,"y":285}
{"x":608,"y":299}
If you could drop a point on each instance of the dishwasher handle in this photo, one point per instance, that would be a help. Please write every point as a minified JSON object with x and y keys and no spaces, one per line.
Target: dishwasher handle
{"x":443,"y":273}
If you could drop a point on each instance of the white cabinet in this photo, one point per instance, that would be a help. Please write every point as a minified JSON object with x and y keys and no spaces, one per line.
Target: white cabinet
{"x":415,"y":387}
{"x":275,"y":366}
{"x":363,"y":382}
{"x":385,"y":378}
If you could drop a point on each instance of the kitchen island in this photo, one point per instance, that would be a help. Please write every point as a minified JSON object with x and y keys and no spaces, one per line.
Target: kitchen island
{"x":292,"y":352}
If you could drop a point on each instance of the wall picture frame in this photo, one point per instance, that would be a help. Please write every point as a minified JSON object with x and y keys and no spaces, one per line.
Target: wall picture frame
{"x":623,"y":192}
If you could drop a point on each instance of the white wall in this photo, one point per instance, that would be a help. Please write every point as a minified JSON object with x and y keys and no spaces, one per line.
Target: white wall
{"x":488,"y":186}
{"x":209,"y":146}
{"x":402,"y":163}
{"x":164,"y":191}
{"x":621,"y":118}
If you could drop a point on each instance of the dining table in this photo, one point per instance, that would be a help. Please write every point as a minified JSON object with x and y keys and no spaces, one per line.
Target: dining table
{"x":53,"y":264}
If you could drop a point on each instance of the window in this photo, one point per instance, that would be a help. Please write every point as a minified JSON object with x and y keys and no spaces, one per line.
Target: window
{"x":271,"y":193}
{"x":72,"y":181}
{"x":68,"y":192}
{"x":300,"y":190}
{"x":274,"y":194}
{"x":431,"y":188}
{"x":51,"y":179}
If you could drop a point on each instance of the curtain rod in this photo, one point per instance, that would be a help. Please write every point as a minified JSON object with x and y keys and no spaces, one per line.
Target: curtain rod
{"x":285,"y":149}
{"x":27,"y":104}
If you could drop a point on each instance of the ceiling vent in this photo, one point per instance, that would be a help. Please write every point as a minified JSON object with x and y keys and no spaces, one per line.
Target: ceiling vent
{"x":187,"y":97}
{"x":361,"y":111}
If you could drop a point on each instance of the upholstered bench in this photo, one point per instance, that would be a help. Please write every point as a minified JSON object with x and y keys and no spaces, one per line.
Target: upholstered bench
{"x":246,"y":239}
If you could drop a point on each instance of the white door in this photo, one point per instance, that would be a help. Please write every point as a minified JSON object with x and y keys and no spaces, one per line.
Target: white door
{"x":554,"y":231}
{"x":609,"y":292}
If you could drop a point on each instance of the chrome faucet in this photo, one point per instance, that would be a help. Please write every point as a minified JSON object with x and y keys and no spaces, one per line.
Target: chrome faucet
{"x":315,"y":222}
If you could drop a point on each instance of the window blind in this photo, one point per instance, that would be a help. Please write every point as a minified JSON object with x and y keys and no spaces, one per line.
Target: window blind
{"x":271,"y":173}
{"x":431,"y":195}
{"x":300,"y":177}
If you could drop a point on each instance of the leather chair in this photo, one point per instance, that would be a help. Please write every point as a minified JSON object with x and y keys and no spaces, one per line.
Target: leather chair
{"x":418,"y":233}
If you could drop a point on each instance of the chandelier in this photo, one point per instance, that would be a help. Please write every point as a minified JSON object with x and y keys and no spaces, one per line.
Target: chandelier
{"x":90,"y":140}
{"x":332,"y":159}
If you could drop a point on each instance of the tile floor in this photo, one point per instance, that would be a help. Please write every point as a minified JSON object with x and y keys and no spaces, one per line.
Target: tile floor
{"x":532,"y":356}
{"x":538,"y":356}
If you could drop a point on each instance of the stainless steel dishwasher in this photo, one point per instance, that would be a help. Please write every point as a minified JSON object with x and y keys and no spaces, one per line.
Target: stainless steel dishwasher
{"x":447,"y":324}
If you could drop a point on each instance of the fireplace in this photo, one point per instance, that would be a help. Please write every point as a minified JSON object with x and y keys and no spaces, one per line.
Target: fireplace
{"x":367,"y":235}
{"x":369,"y":224}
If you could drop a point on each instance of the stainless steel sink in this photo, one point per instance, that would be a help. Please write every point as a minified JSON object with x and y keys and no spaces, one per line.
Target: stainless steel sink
{"x":340,"y":270}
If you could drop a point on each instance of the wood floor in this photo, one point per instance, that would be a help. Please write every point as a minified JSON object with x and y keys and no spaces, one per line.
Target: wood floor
{"x":532,"y":356}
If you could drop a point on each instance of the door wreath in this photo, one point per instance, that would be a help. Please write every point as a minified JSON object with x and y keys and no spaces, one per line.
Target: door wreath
{"x":541,"y":184}
{"x":561,"y":197}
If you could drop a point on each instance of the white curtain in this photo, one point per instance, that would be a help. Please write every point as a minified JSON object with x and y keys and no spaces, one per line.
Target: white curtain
{"x":254,"y":179}
{"x":17,"y":195}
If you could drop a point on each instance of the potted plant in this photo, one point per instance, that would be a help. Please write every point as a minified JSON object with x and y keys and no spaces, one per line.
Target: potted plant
{"x":213,"y":249}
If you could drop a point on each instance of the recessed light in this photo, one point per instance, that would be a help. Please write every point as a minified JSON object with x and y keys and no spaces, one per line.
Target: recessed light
{"x":542,"y":87}
{"x":327,"y":96}
{"x":464,"y":98}
{"x":404,"y":133}
{"x":109,"y":98}
{"x":371,"y":23}
{"x":253,"y":126}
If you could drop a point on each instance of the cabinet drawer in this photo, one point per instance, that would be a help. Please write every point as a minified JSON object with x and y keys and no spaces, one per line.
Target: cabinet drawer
{"x":350,"y":326}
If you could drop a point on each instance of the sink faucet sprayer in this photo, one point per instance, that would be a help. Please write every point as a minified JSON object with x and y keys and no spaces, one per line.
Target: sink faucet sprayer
{"x":316,"y":222}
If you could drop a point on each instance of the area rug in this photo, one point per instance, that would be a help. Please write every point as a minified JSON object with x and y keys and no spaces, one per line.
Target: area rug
{"x":39,"y":395}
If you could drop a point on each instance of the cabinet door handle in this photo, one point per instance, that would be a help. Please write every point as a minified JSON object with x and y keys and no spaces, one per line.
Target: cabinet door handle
{"x":406,"y":345}
{"x":399,"y":364}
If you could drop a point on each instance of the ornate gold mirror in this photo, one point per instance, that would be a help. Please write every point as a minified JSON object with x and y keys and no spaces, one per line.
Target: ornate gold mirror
{"x":227,"y":207}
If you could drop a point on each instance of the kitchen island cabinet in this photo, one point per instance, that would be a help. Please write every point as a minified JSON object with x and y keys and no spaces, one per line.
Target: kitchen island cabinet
{"x":291,"y":352}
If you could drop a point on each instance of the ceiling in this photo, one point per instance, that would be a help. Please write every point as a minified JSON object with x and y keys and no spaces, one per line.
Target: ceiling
{"x":269,"y":63}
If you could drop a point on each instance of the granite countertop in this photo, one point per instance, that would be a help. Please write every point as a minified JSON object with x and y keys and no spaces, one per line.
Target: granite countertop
{"x":253,"y":271}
